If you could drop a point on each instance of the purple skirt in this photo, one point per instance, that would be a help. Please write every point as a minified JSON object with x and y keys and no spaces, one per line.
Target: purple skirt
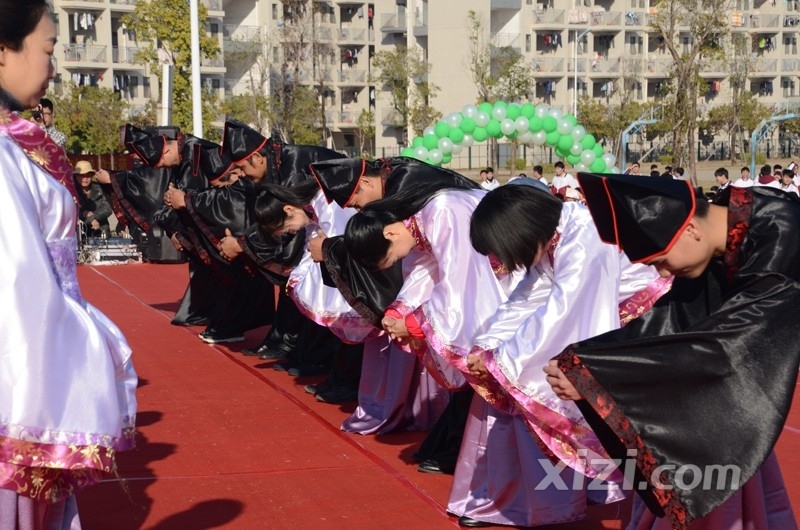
{"x":18,"y":512}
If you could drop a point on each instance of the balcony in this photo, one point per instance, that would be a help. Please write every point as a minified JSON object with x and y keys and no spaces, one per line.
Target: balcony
{"x":506,"y":40}
{"x":238,"y":33}
{"x":80,"y":53}
{"x":765,"y":66}
{"x":605,"y":66}
{"x":213,"y":6}
{"x":348,"y":117}
{"x":578,"y":16}
{"x":714,"y":67}
{"x":348,"y":35}
{"x":506,"y":4}
{"x":358,"y":77}
{"x":606,"y":18}
{"x":212,"y":65}
{"x":555,"y":17}
{"x":660,"y":67}
{"x":393,"y":23}
{"x":633,"y":19}
{"x":548,"y":66}
{"x":123,"y":5}
{"x":765,"y":21}
{"x":124,"y":54}
{"x":420,"y":27}
{"x":88,"y":4}
{"x":581,"y":64}
{"x":391,"y":118}
{"x":790,"y":65}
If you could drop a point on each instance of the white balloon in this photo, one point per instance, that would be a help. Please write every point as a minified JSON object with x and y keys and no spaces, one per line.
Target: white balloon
{"x":420,"y":153}
{"x":579,"y":168}
{"x":522,"y":124}
{"x":578,"y":132}
{"x":576,"y":149}
{"x":454,"y":119}
{"x":539,"y":138}
{"x":468,"y":140}
{"x":542,"y":110}
{"x":457,"y":148}
{"x":564,"y":127}
{"x":525,"y":138}
{"x":609,"y":159}
{"x":557,"y":113}
{"x":615,"y":169}
{"x":481,"y":119}
{"x":470,"y":111}
{"x":587,"y":157}
{"x":499,"y":113}
{"x":435,"y":156}
{"x":445,"y":145}
{"x":508,"y":127}
{"x":428,"y":130}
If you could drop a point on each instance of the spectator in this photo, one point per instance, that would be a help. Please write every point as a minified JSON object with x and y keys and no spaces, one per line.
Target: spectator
{"x":634,"y":169}
{"x":721,"y":176}
{"x":93,"y":207}
{"x":538,"y":174}
{"x":744,"y":181}
{"x":679,"y":173}
{"x":562,"y":180}
{"x":515,"y":177}
{"x":488,"y":181}
{"x":654,"y":167}
{"x":786,"y":182}
{"x":765,"y":177}
{"x":47,"y":115}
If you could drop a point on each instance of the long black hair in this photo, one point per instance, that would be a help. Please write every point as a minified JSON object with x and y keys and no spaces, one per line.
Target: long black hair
{"x":268,"y":208}
{"x":513,"y":223}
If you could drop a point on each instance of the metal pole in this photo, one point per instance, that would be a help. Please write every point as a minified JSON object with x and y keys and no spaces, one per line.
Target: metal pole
{"x":578,"y":37}
{"x":197,"y":100}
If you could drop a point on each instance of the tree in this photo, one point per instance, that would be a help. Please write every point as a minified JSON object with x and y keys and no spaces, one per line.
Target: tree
{"x":248,"y":60}
{"x":404,"y":74}
{"x":606,"y":122}
{"x":707,"y":23}
{"x":90,"y":117}
{"x":366,"y":130}
{"x":739,"y":117}
{"x":166,"y":24}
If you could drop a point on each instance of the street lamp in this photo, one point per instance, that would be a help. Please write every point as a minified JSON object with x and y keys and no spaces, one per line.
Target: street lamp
{"x":578,"y":37}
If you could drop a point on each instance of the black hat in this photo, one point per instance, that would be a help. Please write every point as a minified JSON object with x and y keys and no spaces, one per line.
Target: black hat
{"x":338,"y":178}
{"x":208,"y":162}
{"x":239,"y":141}
{"x":129,"y":133}
{"x":644,"y":216}
{"x":150,"y":149}
{"x":170,"y":131}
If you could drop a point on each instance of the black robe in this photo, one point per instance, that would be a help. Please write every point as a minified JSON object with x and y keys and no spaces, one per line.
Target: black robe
{"x":705,"y":378}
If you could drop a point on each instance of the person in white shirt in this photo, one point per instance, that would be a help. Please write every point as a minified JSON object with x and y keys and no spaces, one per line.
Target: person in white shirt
{"x":563,"y":179}
{"x":744,"y":181}
{"x":786,"y":182}
{"x":538,"y":174}
{"x":488,"y":182}
{"x":721,"y":176}
{"x":765,"y":177}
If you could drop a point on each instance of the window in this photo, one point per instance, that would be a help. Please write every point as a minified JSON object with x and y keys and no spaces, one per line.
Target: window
{"x":146,"y":87}
{"x":528,"y":42}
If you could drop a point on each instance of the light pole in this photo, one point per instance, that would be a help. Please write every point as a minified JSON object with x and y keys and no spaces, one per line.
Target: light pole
{"x":578,"y":37}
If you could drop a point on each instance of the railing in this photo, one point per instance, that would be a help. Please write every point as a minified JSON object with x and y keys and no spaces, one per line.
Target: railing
{"x":605,"y":65}
{"x":85,"y":53}
{"x":659,"y":66}
{"x":347,"y":116}
{"x":548,"y":65}
{"x":213,"y":5}
{"x":124,"y":2}
{"x":123,"y":54}
{"x":549,"y":16}
{"x":581,"y":64}
{"x":391,"y":118}
{"x":606,"y":18}
{"x":242,"y":33}
{"x":790,"y":65}
{"x":502,"y":40}
{"x":353,"y":34}
{"x":393,"y":22}
{"x":215,"y":62}
{"x":765,"y":65}
{"x":765,"y":21}
{"x":352,"y":76}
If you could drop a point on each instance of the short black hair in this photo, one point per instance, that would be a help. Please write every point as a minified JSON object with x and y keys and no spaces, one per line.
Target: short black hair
{"x":490,"y":169}
{"x":46,"y":104}
{"x":538,"y":169}
{"x":559,"y":164}
{"x":721,"y":172}
{"x":766,"y":169}
{"x":513,"y":222}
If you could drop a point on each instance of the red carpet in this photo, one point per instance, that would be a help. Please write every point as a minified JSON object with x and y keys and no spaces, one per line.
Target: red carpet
{"x":226,"y":442}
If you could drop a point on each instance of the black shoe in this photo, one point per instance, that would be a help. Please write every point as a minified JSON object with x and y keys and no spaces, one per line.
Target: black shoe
{"x":469,"y":522}
{"x":258,"y":350}
{"x":275,"y":353}
{"x":337,"y":395}
{"x":308,"y":370}
{"x":320,"y":387}
{"x":216,"y":337}
{"x":282,"y":367}
{"x":430,"y":466}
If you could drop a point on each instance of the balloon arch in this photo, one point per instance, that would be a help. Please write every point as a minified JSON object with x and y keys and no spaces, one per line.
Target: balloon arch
{"x":526,"y":123}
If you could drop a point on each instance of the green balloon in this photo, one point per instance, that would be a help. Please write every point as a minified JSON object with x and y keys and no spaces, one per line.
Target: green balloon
{"x":535,"y":124}
{"x":442,"y":129}
{"x":446,"y":158}
{"x":598,"y":150}
{"x":500,"y":103}
{"x":553,"y":138}
{"x":598,"y":166}
{"x":549,"y":124}
{"x":565,"y":143}
{"x":417,"y":141}
{"x":408,"y":151}
{"x":480,"y":134}
{"x":467,"y":125}
{"x":588,"y":141}
{"x":486,"y":107}
{"x":512,"y":135}
{"x":456,"y":134}
{"x":561,"y":152}
{"x":573,"y":159}
{"x":528,"y":110}
{"x":430,"y":141}
{"x":572,"y":119}
{"x":493,"y":129}
{"x":513,"y":111}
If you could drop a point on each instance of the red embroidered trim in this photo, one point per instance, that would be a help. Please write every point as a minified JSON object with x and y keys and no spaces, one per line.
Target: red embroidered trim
{"x":740,"y":210}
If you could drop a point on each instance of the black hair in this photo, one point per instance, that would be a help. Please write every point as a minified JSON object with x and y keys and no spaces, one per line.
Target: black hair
{"x":46,"y":104}
{"x":490,"y":169}
{"x":745,"y":168}
{"x":513,"y":223}
{"x":766,"y":169}
{"x":17,"y":21}
{"x":538,"y":169}
{"x":787,"y":173}
{"x":364,"y":239}
{"x":721,"y":172}
{"x":559,"y":164}
{"x":268,"y":208}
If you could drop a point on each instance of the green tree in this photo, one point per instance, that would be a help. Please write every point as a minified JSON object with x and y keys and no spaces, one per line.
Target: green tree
{"x":366,"y":131}
{"x":737,"y":119}
{"x":707,"y":23}
{"x":163,"y":30}
{"x":607,"y":121}
{"x":405,"y":75}
{"x":90,"y":117}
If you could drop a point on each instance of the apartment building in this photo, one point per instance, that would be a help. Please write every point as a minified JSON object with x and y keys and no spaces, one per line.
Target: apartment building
{"x":605,"y":49}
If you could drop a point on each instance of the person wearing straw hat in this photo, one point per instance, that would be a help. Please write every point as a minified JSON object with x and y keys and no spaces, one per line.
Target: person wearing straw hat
{"x":94,"y":209}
